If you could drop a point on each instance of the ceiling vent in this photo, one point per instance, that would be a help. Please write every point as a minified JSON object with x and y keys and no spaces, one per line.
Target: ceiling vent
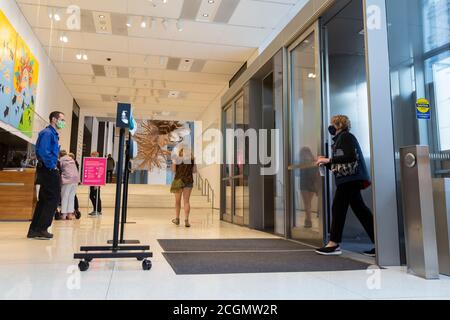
{"x":185,"y":65}
{"x":102,"y":21}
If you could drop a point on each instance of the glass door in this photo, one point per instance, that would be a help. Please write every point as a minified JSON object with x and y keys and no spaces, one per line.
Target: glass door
{"x":235,"y":175}
{"x":227,"y":181}
{"x":305,"y":117}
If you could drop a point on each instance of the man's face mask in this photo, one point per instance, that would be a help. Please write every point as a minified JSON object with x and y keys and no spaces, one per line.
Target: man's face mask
{"x":332,"y":130}
{"x":60,"y":124}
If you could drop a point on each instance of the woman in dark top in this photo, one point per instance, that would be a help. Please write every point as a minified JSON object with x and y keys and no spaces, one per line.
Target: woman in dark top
{"x":182,"y":186}
{"x":351,"y":176}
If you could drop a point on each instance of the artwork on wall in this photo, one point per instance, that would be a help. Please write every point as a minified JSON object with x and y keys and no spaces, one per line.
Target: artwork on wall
{"x":19,"y":72}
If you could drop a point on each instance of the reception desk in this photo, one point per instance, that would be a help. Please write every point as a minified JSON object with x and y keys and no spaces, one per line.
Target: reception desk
{"x":17,"y":194}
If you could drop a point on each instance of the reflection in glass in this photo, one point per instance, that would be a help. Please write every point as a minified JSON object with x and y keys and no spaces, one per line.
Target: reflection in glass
{"x":229,"y":123}
{"x":420,"y":68}
{"x":241,"y":143}
{"x":305,"y":139}
{"x":279,"y":177}
{"x":241,"y":197}
{"x":228,"y":197}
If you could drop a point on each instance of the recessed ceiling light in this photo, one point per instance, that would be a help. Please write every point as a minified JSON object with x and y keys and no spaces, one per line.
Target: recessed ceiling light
{"x":205,"y":15}
{"x":79,"y":56}
{"x":211,"y":1}
{"x":144,"y":23}
{"x":129,"y":22}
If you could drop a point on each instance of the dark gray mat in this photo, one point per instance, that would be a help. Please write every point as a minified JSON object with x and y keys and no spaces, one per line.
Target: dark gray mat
{"x":257,"y":262}
{"x":230,"y":245}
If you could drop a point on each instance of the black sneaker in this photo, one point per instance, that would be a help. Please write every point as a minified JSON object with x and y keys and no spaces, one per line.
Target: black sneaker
{"x":370,"y":253}
{"x":329,"y":251}
{"x":39,"y":235}
{"x":77,"y":214}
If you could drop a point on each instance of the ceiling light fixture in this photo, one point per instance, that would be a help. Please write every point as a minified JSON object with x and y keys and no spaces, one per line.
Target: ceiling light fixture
{"x":206,"y":15}
{"x":129,"y":24}
{"x":211,"y":1}
{"x":82,"y":56}
{"x":57,"y":17}
{"x":64,"y":38}
{"x":102,"y":16}
{"x":144,"y":22}
{"x":53,"y":14}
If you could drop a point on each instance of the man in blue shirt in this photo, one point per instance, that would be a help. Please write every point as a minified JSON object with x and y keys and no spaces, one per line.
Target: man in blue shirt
{"x":47,"y":152}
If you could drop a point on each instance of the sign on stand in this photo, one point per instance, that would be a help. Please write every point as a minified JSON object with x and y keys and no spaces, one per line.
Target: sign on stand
{"x":94,"y":172}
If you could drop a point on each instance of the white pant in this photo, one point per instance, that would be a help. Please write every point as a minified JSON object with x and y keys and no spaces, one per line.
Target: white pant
{"x":68,"y":192}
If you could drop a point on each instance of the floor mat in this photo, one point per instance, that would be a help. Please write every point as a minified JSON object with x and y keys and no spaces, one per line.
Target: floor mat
{"x":230,"y":245}
{"x":257,"y":262}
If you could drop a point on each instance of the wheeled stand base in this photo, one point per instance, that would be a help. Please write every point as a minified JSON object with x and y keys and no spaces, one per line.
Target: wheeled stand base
{"x":108,"y":252}
{"x":125,"y":241}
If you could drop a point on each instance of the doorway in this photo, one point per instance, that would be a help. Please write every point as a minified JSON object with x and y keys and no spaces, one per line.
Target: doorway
{"x":345,"y":92}
{"x":235,"y":171}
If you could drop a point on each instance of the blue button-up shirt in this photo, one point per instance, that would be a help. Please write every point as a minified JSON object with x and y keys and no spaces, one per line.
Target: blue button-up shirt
{"x":47,"y":147}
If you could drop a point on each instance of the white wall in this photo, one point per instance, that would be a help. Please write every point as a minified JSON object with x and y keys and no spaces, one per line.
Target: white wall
{"x":52,"y":93}
{"x":211,"y":118}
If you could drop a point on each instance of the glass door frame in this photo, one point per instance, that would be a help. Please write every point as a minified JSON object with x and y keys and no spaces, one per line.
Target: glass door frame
{"x":231,"y":178}
{"x":292,"y":231}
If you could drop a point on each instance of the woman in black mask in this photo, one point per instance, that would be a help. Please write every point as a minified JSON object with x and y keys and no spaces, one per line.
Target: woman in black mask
{"x":351,"y":176}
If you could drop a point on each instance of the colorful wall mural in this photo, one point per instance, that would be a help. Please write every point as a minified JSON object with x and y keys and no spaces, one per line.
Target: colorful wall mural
{"x":19,"y":72}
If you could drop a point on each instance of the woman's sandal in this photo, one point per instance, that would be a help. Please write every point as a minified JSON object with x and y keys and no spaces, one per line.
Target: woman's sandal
{"x":176,"y":221}
{"x":186,"y":223}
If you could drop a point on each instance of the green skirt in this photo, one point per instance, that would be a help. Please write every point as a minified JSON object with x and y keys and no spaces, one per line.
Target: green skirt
{"x":177,"y":186}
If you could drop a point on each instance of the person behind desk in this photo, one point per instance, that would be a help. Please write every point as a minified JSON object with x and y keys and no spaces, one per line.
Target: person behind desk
{"x":94,"y":194}
{"x":47,"y":176}
{"x":110,"y":168}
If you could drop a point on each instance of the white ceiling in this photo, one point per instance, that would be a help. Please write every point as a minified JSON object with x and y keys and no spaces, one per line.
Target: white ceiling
{"x":148,"y":59}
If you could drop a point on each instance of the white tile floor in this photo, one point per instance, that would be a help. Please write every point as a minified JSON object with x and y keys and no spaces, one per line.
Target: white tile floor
{"x":31,"y":269}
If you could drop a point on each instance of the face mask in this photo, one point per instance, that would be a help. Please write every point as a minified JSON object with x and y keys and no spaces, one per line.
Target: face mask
{"x":332,"y":130}
{"x":60,"y":124}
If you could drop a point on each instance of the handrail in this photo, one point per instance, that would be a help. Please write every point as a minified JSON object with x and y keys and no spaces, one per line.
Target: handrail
{"x":206,"y":189}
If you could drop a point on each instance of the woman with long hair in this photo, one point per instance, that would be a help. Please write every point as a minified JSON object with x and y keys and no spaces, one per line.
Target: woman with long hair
{"x":182,"y":185}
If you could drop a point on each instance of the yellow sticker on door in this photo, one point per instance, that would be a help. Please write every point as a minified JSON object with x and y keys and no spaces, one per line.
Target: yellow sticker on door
{"x":423,"y":109}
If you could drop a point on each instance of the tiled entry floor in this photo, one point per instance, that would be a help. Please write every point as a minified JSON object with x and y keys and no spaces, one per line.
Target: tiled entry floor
{"x":31,"y":269}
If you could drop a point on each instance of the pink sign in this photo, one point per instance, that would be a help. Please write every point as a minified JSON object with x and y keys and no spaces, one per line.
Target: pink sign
{"x":94,"y":171}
